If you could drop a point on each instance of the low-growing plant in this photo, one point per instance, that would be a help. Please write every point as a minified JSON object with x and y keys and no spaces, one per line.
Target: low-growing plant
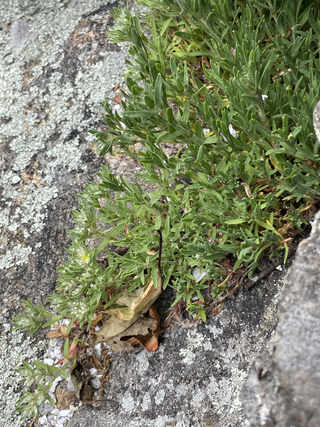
{"x":233,"y":84}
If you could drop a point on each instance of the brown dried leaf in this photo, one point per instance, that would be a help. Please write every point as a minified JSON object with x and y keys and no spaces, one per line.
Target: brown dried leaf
{"x":140,"y":327}
{"x":117,"y":98}
{"x":60,"y":328}
{"x":77,"y":384}
{"x":150,"y":340}
{"x":247,"y":190}
{"x":72,"y":349}
{"x":54,"y":334}
{"x":134,"y":304}
{"x":64,"y":398}
{"x":148,"y":296}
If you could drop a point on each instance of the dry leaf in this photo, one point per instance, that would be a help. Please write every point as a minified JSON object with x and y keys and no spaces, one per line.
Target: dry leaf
{"x":77,"y":384}
{"x":64,"y":398}
{"x":82,"y":380}
{"x":247,"y":190}
{"x":54,"y":334}
{"x":117,"y":98}
{"x":134,"y":304}
{"x":59,"y":332}
{"x":72,"y":349}
{"x":140,"y":327}
{"x":112,"y":327}
{"x":150,"y":340}
{"x":149,"y":295}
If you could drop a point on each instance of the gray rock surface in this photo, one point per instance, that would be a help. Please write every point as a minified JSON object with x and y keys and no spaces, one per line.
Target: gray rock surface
{"x":283,"y":386}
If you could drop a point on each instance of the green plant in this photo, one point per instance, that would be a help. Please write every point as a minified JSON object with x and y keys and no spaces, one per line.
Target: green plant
{"x":234,"y":83}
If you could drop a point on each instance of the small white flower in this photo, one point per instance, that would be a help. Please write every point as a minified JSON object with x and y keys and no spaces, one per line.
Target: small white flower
{"x":233,"y":132}
{"x":264,"y":97}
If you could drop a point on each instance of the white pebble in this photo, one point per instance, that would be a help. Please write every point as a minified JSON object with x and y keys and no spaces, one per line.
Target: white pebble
{"x":64,"y":413}
{"x":63,"y":420}
{"x":47,"y":409}
{"x":70,"y":386}
{"x":95,"y":382}
{"x":48,"y":362}
{"x":15,"y":179}
{"x":57,"y":352}
{"x":42,"y":420}
{"x":93,"y":372}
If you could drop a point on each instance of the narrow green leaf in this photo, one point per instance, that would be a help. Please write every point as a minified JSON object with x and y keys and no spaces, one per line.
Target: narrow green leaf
{"x":158,"y":91}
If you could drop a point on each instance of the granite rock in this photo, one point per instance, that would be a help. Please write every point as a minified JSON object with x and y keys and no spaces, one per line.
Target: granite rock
{"x":283,"y":386}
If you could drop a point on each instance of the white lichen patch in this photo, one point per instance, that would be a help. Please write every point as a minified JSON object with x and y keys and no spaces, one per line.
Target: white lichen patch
{"x":225,"y":393}
{"x":18,"y":255}
{"x":197,"y":398}
{"x":187,"y":356}
{"x":194,"y":340}
{"x":127,"y":402}
{"x":213,"y":330}
{"x":34,"y":106}
{"x":13,"y":349}
{"x":162,"y":421}
{"x":146,"y":402}
{"x":159,"y":397}
{"x":142,"y":359}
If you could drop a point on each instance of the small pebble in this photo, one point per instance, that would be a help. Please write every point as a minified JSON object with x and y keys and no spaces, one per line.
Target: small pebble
{"x":63,"y":420}
{"x":95,"y":382}
{"x":57,"y":352}
{"x":70,"y":386}
{"x":42,"y":420}
{"x":93,"y":372}
{"x":48,"y":361}
{"x":18,"y":349}
{"x":16,"y":179}
{"x":47,"y":409}
{"x":55,"y":411}
{"x":64,"y":413}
